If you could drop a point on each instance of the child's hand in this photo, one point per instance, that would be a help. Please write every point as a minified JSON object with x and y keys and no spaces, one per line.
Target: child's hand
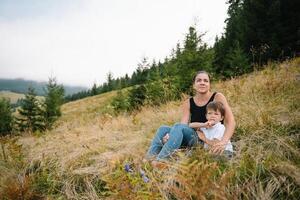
{"x":208,"y":124}
{"x":165,"y":138}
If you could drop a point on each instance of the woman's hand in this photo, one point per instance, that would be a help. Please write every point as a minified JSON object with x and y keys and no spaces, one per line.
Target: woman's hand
{"x":218,"y":147}
{"x":213,"y":142}
{"x":165,"y":138}
{"x":208,"y":141}
{"x":201,"y":136}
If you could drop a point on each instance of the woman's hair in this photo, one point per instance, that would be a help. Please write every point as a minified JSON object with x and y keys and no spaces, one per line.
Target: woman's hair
{"x":201,"y":72}
{"x":216,"y":106}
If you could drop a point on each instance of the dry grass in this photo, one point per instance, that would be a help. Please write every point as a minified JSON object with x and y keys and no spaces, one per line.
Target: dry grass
{"x":267,"y":161}
{"x":265,"y":96}
{"x":88,"y":141}
{"x":89,"y":145}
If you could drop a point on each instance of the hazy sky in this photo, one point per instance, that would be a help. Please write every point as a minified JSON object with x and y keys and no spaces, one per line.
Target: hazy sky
{"x":80,"y":41}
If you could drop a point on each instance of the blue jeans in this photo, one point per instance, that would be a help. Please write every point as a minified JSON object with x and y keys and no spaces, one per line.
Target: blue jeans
{"x":179,"y":135}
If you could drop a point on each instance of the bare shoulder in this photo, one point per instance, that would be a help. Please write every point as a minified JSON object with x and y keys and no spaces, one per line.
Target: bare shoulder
{"x":186,"y":102}
{"x":220,"y":97}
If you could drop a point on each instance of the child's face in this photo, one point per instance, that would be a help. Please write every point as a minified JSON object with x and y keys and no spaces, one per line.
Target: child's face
{"x":214,"y":116}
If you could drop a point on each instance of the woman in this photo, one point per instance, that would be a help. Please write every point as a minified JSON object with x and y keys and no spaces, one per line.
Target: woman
{"x":168,"y":139}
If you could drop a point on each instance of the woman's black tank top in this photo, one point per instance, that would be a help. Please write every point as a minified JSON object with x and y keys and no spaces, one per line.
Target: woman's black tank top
{"x":198,"y":112}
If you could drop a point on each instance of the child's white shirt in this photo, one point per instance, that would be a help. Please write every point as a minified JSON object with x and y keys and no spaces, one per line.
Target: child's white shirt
{"x":216,"y":132}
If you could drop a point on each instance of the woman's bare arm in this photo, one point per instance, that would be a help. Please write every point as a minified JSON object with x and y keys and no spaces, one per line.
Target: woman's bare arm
{"x":185,"y":112}
{"x":229,"y":123}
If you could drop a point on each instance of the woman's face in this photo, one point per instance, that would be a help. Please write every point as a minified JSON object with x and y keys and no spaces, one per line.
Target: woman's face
{"x":202,"y":83}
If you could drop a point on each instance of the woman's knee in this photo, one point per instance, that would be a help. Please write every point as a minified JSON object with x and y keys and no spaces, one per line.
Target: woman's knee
{"x":177,"y":130}
{"x":162,"y":130}
{"x":179,"y":126}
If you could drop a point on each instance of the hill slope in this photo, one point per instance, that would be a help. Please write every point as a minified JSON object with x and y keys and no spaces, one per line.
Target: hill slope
{"x":12,"y":96}
{"x":255,"y":98}
{"x":87,"y":144}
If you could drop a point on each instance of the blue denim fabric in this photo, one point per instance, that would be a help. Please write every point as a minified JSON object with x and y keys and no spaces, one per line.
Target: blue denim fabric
{"x":180,"y":135}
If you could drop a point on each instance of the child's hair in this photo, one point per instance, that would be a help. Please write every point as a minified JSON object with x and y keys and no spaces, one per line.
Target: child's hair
{"x":216,"y":105}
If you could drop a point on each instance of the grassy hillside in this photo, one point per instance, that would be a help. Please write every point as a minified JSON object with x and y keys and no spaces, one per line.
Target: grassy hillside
{"x":12,"y":96}
{"x":83,"y":156}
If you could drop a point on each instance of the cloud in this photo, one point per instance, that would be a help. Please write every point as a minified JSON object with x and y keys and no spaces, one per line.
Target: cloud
{"x":81,"y":42}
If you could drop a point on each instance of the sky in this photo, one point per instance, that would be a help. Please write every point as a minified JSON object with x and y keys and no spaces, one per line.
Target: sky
{"x":80,"y":41}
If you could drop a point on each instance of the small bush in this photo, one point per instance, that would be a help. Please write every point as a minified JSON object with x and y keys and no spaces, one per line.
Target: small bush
{"x":161,"y":91}
{"x":129,"y":101}
{"x":120,"y":102}
{"x":136,"y":97}
{"x":153,"y":93}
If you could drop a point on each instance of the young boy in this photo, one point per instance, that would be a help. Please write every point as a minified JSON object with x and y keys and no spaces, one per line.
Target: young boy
{"x":213,"y":130}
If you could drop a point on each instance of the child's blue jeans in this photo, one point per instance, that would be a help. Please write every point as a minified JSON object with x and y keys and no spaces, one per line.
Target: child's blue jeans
{"x":179,"y":135}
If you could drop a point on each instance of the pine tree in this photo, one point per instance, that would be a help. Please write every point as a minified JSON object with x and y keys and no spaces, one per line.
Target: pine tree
{"x":54,"y":99}
{"x":31,"y":113}
{"x":237,"y":62}
{"x":193,"y":57}
{"x":178,"y":50}
{"x":127,"y":80}
{"x":6,"y":117}
{"x":137,"y":96}
{"x":153,"y":72}
{"x":110,"y":81}
{"x":142,"y":71}
{"x":94,"y":90}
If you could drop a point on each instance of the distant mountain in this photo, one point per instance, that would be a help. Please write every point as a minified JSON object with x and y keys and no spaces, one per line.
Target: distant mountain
{"x":21,"y":86}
